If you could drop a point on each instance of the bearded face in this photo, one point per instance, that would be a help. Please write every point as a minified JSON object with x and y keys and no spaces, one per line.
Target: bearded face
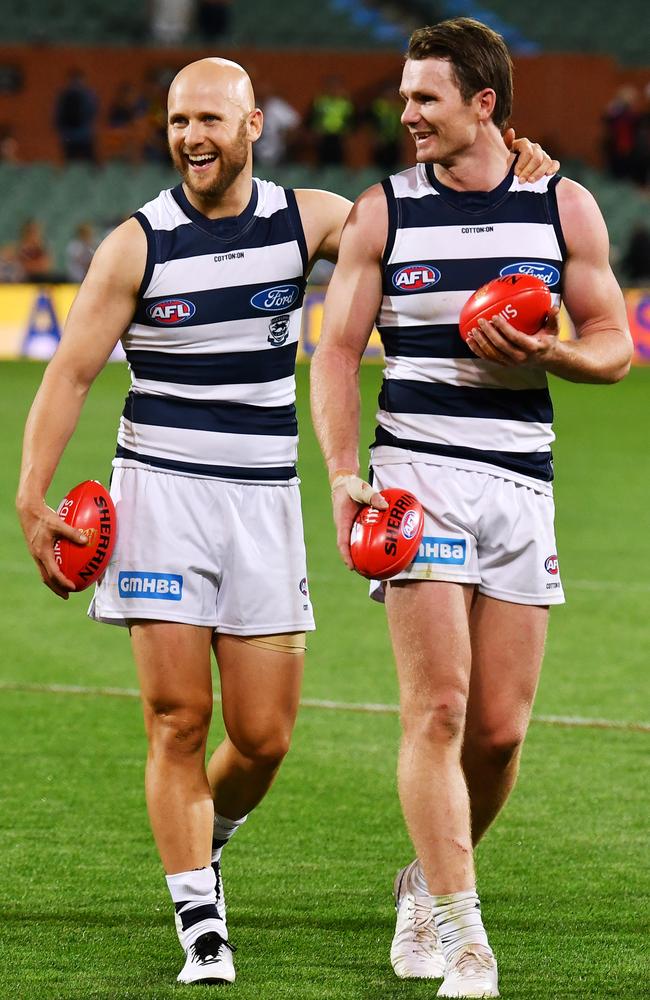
{"x":209,"y":155}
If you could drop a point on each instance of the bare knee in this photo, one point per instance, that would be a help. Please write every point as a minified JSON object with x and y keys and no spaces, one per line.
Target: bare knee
{"x":439,"y":720}
{"x":499,"y":746}
{"x":178,"y":730}
{"x":265,"y":750}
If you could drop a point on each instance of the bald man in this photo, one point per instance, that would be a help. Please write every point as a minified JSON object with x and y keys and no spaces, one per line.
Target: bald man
{"x":204,"y":286}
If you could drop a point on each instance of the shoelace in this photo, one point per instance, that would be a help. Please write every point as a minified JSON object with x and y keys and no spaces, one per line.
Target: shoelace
{"x":425,"y":934}
{"x":469,"y":960}
{"x":206,"y":948}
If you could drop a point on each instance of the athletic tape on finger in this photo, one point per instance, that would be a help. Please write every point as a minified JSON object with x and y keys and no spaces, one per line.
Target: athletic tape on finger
{"x":357,"y":488}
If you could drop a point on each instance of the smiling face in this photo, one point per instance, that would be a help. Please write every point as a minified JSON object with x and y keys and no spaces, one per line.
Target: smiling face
{"x":442,"y":124}
{"x":212,"y":121}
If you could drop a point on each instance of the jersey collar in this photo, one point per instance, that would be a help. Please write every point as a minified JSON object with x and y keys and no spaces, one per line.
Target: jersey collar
{"x":228,"y":228}
{"x":473,"y":202}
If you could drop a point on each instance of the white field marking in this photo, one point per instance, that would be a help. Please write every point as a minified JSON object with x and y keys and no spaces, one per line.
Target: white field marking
{"x":371,"y":708}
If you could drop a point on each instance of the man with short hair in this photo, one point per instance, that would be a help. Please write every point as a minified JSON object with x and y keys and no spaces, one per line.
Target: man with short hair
{"x":467,"y":429}
{"x":204,"y":286}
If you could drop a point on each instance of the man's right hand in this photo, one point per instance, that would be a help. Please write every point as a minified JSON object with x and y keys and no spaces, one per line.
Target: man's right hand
{"x":42,"y":526}
{"x":349,"y":492}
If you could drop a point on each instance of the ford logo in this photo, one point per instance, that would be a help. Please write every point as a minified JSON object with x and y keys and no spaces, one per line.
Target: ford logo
{"x":546,"y":272}
{"x":276,"y":299}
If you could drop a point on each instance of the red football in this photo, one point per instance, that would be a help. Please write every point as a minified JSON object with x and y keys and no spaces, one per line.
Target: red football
{"x":89,"y":508}
{"x":523,"y":300}
{"x":384,"y":542}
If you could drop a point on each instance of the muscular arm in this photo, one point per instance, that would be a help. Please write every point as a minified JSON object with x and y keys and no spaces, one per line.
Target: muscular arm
{"x":603,"y":349}
{"x":99,"y":315}
{"x":323,"y":216}
{"x":353,"y":298}
{"x":592,"y":296}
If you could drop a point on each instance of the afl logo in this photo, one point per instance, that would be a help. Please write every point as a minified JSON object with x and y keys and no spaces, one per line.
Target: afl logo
{"x":551,"y":565}
{"x":416,"y":277}
{"x":171,"y":312}
{"x":276,"y":299}
{"x":410,"y":523}
{"x":546,"y":272}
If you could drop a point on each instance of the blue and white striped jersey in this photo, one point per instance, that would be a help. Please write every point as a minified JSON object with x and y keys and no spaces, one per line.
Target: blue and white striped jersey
{"x":439,"y":403}
{"x":212,"y":345}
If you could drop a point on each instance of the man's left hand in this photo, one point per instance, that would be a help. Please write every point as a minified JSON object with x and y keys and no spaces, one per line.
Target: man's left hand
{"x":501,"y":343}
{"x":533,"y":162}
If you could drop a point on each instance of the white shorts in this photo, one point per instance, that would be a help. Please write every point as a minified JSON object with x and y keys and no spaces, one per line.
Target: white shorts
{"x":481,"y":529}
{"x":206,"y":552}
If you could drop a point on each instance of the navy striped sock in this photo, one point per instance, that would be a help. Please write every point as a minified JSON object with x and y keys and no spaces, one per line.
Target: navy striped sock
{"x":195,"y":900}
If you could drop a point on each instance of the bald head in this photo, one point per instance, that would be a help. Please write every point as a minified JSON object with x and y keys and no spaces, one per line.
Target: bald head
{"x":214,"y":78}
{"x":212,"y":123}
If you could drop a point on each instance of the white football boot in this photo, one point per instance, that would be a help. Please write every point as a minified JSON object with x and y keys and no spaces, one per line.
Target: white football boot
{"x":209,"y":961}
{"x":415,"y":952}
{"x":221,"y":903}
{"x":472,"y":972}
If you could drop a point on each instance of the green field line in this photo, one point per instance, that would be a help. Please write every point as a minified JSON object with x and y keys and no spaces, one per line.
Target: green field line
{"x":372,"y":708}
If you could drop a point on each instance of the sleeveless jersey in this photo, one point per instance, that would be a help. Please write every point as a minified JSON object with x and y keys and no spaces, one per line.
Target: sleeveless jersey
{"x":212,"y":345}
{"x":439,"y":403}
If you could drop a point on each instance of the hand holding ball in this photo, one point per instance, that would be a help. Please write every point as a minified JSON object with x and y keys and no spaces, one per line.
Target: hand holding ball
{"x":88,"y":508}
{"x":522,"y":300}
{"x":384,"y":542}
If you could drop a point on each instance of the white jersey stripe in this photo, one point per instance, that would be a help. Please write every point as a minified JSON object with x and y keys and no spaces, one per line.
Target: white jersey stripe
{"x":481,"y":433}
{"x":456,"y":242}
{"x":207,"y":447}
{"x":463,"y":371}
{"x":281,"y":392}
{"x":236,"y":336}
{"x":208,"y":272}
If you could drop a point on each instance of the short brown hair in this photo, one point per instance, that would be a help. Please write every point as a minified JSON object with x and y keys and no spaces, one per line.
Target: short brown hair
{"x":479,"y":58}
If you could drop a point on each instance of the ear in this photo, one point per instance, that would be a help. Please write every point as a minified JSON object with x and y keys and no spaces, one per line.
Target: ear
{"x":485,"y":102}
{"x":254,"y":124}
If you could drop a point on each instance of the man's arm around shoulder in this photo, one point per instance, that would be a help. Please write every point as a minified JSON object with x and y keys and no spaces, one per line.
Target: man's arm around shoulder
{"x":323,"y":215}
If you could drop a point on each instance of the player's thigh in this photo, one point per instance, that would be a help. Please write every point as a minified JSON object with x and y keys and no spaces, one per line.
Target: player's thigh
{"x":507,"y":651}
{"x":173,"y":662}
{"x":263,"y":587}
{"x":429,"y":629}
{"x":517,"y":551}
{"x":260,"y":694}
{"x":450,"y":499}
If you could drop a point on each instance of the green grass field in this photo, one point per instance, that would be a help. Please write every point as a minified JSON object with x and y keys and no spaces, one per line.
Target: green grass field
{"x":563,"y":874}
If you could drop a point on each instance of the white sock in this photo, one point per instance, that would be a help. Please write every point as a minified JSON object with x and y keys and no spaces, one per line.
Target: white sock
{"x":223,"y":830}
{"x":418,"y":880}
{"x":195,"y":900}
{"x":458,"y":922}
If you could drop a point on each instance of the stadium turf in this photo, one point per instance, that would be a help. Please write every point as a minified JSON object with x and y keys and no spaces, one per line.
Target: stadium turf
{"x":563,"y":874}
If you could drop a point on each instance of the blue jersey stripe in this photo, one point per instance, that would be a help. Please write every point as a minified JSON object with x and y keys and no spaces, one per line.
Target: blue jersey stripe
{"x":424,"y":342}
{"x":459,"y":275}
{"x":191,"y":241}
{"x":225,"y":418}
{"x":537,"y":464}
{"x":256,"y":474}
{"x":406,"y":396}
{"x":151,"y":251}
{"x":294,"y":225}
{"x":517,"y":206}
{"x":238,"y":368}
{"x":225,"y":305}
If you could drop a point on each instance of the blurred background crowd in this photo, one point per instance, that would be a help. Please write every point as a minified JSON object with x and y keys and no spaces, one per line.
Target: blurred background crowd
{"x":83,"y":120}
